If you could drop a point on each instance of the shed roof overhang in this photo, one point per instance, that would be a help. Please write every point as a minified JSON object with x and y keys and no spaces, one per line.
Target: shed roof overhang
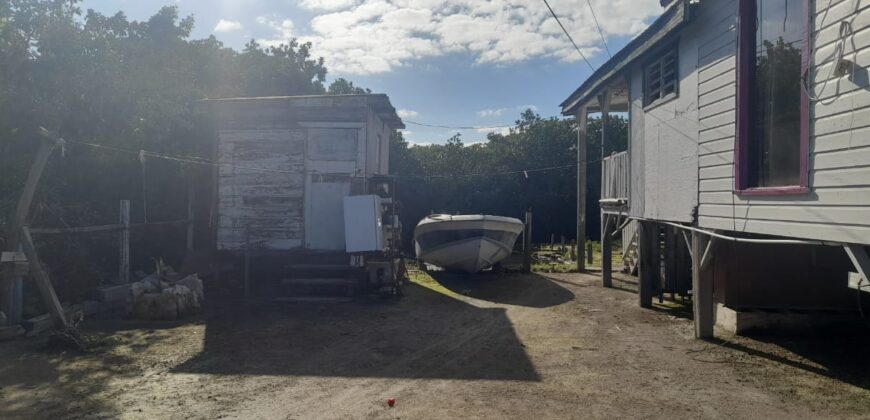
{"x":676,"y":15}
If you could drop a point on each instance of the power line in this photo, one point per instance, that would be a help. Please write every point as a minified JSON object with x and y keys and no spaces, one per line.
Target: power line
{"x":202,"y":161}
{"x":467,"y":127}
{"x":600,"y":32}
{"x":569,"y":36}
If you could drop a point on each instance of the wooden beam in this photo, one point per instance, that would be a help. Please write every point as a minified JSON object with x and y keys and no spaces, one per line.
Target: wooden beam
{"x":702,"y":287}
{"x":649,"y":263}
{"x":604,"y":101}
{"x":859,"y":257}
{"x":581,"y":186}
{"x":42,"y":281}
{"x":10,"y":295}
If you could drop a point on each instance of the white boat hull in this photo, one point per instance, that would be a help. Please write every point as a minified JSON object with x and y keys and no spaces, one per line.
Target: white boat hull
{"x":469,"y":243}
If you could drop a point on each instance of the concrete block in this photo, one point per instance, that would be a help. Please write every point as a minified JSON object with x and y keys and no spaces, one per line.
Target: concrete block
{"x":740,"y":322}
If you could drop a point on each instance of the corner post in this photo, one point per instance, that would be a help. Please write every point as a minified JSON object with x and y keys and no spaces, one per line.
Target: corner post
{"x":702,"y":286}
{"x":527,"y":243}
{"x":581,"y":186}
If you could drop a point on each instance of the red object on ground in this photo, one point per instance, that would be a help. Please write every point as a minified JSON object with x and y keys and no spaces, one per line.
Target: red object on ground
{"x":391,"y":402}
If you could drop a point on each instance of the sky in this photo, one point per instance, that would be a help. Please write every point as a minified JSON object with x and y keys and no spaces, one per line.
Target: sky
{"x":458,"y":63}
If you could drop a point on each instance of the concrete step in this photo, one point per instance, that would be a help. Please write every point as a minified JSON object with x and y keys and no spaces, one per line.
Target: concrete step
{"x":319,"y":281}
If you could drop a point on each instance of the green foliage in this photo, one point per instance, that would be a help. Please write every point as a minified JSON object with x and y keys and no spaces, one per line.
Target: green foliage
{"x":452,"y":178}
{"x":128,"y":85}
{"x":342,"y":86}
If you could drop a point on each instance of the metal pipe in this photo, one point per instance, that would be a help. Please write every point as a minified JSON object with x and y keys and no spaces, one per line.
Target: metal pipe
{"x":744,"y":240}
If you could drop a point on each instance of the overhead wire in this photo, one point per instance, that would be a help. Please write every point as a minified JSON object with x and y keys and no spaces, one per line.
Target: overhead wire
{"x":202,"y":161}
{"x":459,"y":127}
{"x":597,"y":25}
{"x":569,"y":36}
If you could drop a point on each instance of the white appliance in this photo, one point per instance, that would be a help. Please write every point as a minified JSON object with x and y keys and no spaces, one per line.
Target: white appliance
{"x":363,"y":225}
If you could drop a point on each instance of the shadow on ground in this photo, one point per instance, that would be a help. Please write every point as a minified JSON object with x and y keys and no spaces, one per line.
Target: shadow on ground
{"x":838,"y":351}
{"x":425,"y":335}
{"x":41,"y":379}
{"x":531,"y":290}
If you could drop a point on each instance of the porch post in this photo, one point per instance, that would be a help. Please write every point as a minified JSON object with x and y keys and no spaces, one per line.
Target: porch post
{"x":581,"y":187}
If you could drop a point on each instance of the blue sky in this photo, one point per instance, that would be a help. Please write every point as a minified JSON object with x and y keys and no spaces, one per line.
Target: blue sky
{"x":443,"y":62}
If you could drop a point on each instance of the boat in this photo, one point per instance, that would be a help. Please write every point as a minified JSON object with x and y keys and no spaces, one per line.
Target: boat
{"x":469,"y":243}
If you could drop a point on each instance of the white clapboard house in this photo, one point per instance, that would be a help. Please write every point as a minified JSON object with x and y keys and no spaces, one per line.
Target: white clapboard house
{"x":748,"y":168}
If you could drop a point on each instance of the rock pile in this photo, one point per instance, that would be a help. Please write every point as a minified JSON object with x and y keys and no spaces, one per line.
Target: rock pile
{"x":156,"y":298}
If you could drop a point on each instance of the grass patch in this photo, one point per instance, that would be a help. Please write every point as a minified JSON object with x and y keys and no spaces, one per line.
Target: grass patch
{"x":555,"y":259}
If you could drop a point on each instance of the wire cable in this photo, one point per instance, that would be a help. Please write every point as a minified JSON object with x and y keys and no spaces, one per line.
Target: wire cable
{"x":460,"y":127}
{"x":569,"y":36}
{"x":600,"y":32}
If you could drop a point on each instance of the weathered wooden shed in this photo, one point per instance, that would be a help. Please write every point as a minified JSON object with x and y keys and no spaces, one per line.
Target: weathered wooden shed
{"x":749,"y":131}
{"x":286,"y":164}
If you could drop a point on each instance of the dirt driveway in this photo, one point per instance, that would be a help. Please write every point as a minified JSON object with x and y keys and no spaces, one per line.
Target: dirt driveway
{"x":525,"y":346}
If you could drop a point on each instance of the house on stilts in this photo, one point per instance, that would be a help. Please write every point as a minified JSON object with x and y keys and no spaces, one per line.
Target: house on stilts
{"x":748,"y":166}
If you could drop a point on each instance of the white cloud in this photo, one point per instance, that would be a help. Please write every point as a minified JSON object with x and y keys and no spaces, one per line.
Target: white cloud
{"x":380,"y":35}
{"x":407,"y":113}
{"x":283,"y":29}
{"x":491,"y":112}
{"x":228,"y":26}
{"x":525,"y":107}
{"x":328,"y":5}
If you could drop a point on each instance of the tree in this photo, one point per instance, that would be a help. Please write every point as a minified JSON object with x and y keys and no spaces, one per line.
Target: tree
{"x":342,"y":86}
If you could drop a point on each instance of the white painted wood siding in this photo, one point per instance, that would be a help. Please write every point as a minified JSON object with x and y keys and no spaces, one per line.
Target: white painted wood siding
{"x":264,"y":204}
{"x":838,"y":206}
{"x":664,"y":139}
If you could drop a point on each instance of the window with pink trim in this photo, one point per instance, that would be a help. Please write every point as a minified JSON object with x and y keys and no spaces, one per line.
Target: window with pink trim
{"x":772,"y":107}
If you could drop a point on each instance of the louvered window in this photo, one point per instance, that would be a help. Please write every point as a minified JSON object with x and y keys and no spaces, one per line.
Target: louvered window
{"x":660,"y":78}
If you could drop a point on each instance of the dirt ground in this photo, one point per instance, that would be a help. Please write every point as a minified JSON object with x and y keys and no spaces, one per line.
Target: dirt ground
{"x":523,"y":346}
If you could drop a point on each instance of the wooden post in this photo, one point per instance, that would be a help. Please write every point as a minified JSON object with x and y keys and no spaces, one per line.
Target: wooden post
{"x":649,"y":263}
{"x":190,"y":214}
{"x":581,"y":186}
{"x":589,"y":253}
{"x":702,"y":286}
{"x":562,"y":245}
{"x":247,"y":262}
{"x":124,"y":244}
{"x":11,"y":296}
{"x":573,"y":250}
{"x":40,"y":277}
{"x":607,"y":252}
{"x":604,"y":101}
{"x":527,"y":243}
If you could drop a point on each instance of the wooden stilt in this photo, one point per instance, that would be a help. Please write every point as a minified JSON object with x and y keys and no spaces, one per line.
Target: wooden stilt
{"x":649,"y":263}
{"x":702,"y":285}
{"x":607,"y":251}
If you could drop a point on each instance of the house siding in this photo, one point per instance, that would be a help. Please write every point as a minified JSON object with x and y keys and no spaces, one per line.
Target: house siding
{"x":838,"y":205}
{"x":272,"y":151}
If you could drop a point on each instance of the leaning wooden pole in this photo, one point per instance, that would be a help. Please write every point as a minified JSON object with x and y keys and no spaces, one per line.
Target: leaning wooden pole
{"x":581,"y":187}
{"x":8,"y":300}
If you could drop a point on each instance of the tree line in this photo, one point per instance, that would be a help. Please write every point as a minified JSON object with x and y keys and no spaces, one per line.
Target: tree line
{"x":134,"y":85}
{"x":459,"y":178}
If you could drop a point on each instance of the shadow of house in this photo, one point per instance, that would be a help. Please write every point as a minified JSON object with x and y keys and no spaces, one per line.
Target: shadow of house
{"x":426,"y":335}
{"x":531,"y":290}
{"x":838,"y":351}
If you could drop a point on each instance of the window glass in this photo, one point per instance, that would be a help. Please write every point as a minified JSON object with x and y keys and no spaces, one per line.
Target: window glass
{"x":775,"y":135}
